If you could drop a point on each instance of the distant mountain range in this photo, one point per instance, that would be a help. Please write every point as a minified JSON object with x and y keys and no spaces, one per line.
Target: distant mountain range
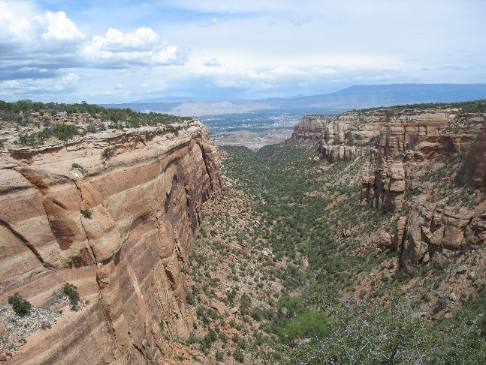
{"x":354,"y":97}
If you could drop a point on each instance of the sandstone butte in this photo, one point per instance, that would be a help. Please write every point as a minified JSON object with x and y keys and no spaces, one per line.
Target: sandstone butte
{"x":398,"y":147}
{"x":113,"y":213}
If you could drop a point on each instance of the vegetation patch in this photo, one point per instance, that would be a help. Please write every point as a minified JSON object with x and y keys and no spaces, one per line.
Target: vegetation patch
{"x":72,"y":294}
{"x":19,"y":305}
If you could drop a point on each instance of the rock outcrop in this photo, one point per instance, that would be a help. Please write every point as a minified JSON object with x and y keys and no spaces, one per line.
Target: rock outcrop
{"x":310,"y":129}
{"x":385,"y":190}
{"x":390,"y":132}
{"x":430,"y":231}
{"x":402,"y":146}
{"x":473,"y":171}
{"x":114,"y":213}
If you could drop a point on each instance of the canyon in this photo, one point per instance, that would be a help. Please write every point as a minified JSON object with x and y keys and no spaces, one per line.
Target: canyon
{"x":114,"y":213}
{"x":402,"y":147}
{"x":362,"y":227}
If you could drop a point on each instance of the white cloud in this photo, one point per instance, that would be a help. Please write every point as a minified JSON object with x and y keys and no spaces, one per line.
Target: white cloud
{"x":141,"y":47}
{"x":22,"y":26}
{"x":267,"y":66}
{"x":116,"y":41}
{"x":252,"y":45}
{"x":225,"y":6}
{"x":14,"y":26}
{"x":60,"y":27}
{"x":43,"y":44}
{"x":301,"y":20}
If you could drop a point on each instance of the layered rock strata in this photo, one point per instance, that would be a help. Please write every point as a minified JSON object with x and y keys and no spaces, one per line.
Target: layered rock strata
{"x":113,"y":213}
{"x":385,"y":190}
{"x":430,"y":231}
{"x":389,"y":132}
{"x":402,"y":144}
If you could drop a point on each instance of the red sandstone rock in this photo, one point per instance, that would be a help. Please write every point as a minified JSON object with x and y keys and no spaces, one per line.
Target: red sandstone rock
{"x":120,"y":229}
{"x":431,"y":229}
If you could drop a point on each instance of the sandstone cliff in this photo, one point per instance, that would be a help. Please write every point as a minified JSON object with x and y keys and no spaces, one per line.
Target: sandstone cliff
{"x":410,"y":158}
{"x":473,"y":171}
{"x":113,"y":213}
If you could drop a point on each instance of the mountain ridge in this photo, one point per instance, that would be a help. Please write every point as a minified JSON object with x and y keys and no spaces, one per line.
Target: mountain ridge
{"x":352,"y":97}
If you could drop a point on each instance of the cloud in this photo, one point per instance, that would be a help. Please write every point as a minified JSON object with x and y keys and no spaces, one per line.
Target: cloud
{"x":42,"y":88}
{"x":35,"y":44}
{"x":60,"y":27}
{"x":250,"y":48}
{"x":213,"y":62}
{"x":142,"y":47}
{"x":22,"y":27}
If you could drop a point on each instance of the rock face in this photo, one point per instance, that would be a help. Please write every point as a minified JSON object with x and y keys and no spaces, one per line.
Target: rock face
{"x":404,"y":130}
{"x":431,"y":230}
{"x":401,"y":145}
{"x":386,"y":189}
{"x":310,"y":129}
{"x":387,"y":131}
{"x":114,"y":214}
{"x":473,"y":171}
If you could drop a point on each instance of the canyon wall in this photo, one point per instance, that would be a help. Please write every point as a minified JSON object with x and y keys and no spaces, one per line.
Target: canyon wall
{"x":473,"y":171}
{"x":389,"y":133}
{"x":113,"y":213}
{"x":400,"y":148}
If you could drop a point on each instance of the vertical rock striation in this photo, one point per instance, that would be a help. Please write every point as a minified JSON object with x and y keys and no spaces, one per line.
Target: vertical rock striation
{"x":473,"y":171}
{"x":114,"y":214}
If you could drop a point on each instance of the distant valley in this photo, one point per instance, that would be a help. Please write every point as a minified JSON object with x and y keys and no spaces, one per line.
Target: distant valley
{"x":256,"y":123}
{"x":353,"y":97}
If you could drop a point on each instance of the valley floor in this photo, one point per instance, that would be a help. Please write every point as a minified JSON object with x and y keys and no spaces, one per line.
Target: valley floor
{"x":288,"y":268}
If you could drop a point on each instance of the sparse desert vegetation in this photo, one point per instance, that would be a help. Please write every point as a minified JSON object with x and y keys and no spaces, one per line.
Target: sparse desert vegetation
{"x":325,"y":293}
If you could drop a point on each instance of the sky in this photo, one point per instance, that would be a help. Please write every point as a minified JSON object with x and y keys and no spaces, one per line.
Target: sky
{"x":119,"y":51}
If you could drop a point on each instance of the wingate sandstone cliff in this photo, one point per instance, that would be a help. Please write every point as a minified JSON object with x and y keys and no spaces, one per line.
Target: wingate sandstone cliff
{"x":113,"y":213}
{"x":402,"y":150}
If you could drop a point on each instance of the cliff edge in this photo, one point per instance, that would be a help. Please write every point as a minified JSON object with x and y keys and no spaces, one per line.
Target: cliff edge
{"x":112,"y":213}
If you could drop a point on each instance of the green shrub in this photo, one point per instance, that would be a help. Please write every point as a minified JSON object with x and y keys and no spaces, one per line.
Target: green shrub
{"x":208,"y":340}
{"x":310,"y":323}
{"x":72,"y":293}
{"x":238,"y":356}
{"x":75,"y":165}
{"x":245,"y":302}
{"x":19,"y":305}
{"x":219,"y":356}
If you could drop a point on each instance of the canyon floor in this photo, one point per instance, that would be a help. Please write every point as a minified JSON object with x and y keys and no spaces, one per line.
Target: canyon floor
{"x":288,"y":267}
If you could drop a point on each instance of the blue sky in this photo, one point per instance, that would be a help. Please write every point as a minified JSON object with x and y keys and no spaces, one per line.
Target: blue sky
{"x":117,"y":51}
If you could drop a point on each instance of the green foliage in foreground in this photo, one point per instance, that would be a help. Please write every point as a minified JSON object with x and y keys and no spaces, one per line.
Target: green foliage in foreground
{"x":63,"y":132}
{"x":19,"y":305}
{"x":395,"y":334}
